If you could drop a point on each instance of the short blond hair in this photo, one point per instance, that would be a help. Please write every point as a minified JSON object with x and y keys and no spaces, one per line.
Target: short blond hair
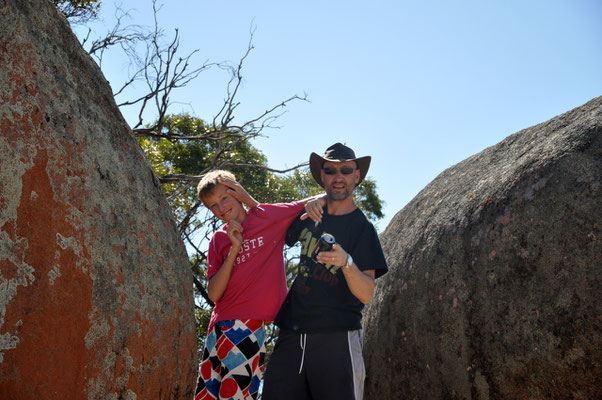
{"x":209,"y":182}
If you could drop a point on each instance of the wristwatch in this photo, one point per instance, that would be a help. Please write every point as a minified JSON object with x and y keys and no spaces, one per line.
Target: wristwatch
{"x":349,"y":261}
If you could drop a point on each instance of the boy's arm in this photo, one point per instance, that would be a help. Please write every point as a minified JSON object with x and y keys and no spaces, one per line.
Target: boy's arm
{"x":218,"y":282}
{"x":236,"y":190}
{"x":314,"y":205}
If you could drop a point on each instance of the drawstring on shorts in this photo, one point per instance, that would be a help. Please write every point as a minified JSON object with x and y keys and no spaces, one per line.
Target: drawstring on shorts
{"x":302,"y":342}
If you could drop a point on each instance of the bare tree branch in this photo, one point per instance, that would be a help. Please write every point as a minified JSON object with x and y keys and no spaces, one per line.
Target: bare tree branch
{"x":127,"y":37}
{"x":163,"y":71}
{"x":196,"y":178}
{"x":77,"y":11}
{"x":201,"y":257}
{"x":278,"y":171}
{"x":199,"y":286}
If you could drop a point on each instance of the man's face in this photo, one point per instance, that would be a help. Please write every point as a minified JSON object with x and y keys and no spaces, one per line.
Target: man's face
{"x":223,"y":205}
{"x":339,"y":179}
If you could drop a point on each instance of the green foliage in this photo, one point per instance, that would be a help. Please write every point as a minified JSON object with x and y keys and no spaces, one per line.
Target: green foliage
{"x":196,"y":157}
{"x":367,"y":199}
{"x":202,"y":317}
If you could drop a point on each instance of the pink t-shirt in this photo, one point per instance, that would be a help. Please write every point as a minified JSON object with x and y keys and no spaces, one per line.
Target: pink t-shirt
{"x":257,"y":285}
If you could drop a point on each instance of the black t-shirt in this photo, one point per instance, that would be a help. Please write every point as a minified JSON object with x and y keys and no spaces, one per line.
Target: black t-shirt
{"x":319,"y":299}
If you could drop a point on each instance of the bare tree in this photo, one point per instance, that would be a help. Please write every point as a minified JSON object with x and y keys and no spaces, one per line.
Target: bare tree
{"x":157,"y":65}
{"x":163,"y":70}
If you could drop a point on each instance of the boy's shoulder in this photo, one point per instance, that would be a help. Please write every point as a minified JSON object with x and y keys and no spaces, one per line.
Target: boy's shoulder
{"x":219,"y":234}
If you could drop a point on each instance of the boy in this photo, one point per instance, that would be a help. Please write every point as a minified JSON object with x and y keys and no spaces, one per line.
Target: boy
{"x":247,"y":282}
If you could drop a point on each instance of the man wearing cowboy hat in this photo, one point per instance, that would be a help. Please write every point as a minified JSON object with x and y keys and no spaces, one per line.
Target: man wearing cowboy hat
{"x":318,"y":354}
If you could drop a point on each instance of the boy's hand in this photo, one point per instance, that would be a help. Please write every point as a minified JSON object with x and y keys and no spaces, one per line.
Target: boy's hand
{"x":234,"y":232}
{"x":314,"y":209}
{"x":236,"y":190}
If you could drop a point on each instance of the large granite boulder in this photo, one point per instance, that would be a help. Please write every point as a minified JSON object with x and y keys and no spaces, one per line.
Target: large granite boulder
{"x":495,"y":283}
{"x":95,"y":288}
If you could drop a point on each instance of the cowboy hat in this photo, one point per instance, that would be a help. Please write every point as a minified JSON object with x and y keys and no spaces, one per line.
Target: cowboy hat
{"x":337,"y":153}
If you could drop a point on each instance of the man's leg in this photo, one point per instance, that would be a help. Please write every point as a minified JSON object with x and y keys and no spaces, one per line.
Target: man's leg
{"x":335,"y":366}
{"x":285,"y":374}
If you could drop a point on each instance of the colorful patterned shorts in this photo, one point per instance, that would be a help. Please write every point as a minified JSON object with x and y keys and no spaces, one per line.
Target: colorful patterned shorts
{"x":232,"y":363}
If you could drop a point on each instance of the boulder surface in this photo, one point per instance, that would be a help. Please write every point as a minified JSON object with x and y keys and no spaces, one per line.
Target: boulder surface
{"x":495,"y":282}
{"x":95,"y":288}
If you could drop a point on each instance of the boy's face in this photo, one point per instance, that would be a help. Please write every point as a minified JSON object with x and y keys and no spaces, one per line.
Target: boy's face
{"x":223,"y":205}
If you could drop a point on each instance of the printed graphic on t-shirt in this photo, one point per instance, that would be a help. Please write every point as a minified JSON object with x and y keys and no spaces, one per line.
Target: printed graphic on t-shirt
{"x":248,"y":249}
{"x":321,"y":272}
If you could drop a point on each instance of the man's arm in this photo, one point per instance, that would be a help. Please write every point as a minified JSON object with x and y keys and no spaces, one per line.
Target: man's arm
{"x":361,"y":283}
{"x":218,"y":282}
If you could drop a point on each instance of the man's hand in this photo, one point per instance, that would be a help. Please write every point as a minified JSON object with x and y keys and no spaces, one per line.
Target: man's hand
{"x":314,"y":208}
{"x":337,"y":256}
{"x":361,"y":283}
{"x":236,"y":190}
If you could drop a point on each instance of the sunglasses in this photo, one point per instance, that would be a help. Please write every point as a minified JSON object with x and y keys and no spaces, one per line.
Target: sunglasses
{"x":333,"y":170}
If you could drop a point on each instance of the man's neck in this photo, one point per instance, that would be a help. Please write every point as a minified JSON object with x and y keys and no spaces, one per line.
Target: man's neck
{"x":340,"y":207}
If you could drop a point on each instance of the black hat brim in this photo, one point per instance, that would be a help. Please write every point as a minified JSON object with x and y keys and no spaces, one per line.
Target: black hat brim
{"x":316,"y":162}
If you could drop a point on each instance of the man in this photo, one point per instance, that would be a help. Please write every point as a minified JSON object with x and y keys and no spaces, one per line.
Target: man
{"x":318,"y":354}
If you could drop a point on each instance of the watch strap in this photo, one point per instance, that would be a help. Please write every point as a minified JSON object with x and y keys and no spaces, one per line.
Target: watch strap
{"x":349,"y":261}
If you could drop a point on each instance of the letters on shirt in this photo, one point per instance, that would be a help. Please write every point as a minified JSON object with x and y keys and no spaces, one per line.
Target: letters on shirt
{"x":248,"y":248}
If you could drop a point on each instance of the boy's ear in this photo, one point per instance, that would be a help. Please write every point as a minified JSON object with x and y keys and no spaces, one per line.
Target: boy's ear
{"x":207,"y":206}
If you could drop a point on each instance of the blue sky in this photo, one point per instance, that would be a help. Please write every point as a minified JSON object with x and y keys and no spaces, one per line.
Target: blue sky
{"x":418,"y":85}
